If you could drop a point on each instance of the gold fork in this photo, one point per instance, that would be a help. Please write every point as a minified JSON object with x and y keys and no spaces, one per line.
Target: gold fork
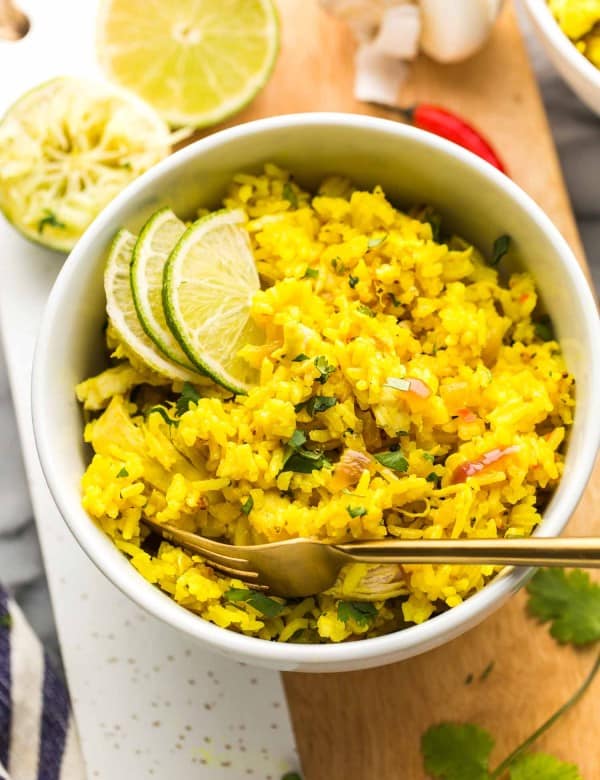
{"x":302,"y":567}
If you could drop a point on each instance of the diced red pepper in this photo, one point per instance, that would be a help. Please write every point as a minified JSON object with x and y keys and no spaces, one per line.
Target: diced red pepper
{"x":472,"y":467}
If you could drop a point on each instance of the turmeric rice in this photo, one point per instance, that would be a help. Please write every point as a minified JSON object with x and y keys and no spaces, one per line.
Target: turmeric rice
{"x":407,"y":388}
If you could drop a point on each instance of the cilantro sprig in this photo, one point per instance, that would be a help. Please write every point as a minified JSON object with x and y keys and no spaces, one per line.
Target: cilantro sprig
{"x":316,"y":404}
{"x":189,"y":395}
{"x":571,"y":602}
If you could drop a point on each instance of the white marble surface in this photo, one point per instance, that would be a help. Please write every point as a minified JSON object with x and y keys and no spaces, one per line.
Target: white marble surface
{"x":577,"y":133}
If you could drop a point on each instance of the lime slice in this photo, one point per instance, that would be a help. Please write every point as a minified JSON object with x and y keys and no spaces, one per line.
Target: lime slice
{"x":158,"y":237}
{"x":67,"y":147}
{"x":210,"y":280}
{"x":123,"y":317}
{"x":195,"y":61}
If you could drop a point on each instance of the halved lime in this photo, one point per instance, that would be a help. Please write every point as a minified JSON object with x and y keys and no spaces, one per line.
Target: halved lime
{"x":158,"y":237}
{"x":67,"y":147}
{"x":210,"y":280}
{"x":123,"y":316}
{"x":195,"y":61}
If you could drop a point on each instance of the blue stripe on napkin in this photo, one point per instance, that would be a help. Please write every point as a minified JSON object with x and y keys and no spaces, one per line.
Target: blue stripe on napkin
{"x":5,"y":697}
{"x":55,"y":723}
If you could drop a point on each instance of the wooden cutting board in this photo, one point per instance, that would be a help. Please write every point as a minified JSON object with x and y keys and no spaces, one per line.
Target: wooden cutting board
{"x":367,"y":725}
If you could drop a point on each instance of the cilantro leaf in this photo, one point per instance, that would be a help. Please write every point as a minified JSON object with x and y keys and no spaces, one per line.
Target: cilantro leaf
{"x":356,"y":511}
{"x":353,"y":281}
{"x":392,"y":460}
{"x":269,"y":607}
{"x":316,"y":404}
{"x":535,"y":766}
{"x":123,"y":472}
{"x":49,"y":220}
{"x":457,"y":752}
{"x":363,"y":309}
{"x":247,"y":505}
{"x":311,"y":273}
{"x":164,"y":414}
{"x":290,"y":195}
{"x":324,"y":368}
{"x":187,"y":397}
{"x":301,"y":460}
{"x":300,"y":358}
{"x":544,"y":329}
{"x":362,"y":612}
{"x":500,"y":248}
{"x":570,"y":600}
{"x":428,"y":456}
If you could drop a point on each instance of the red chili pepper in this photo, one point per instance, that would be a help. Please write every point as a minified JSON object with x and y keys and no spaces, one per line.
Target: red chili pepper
{"x":447,"y":125}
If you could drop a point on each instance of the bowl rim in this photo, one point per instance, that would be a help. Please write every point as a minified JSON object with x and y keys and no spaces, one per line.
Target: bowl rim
{"x":410,"y":641}
{"x":540,"y":11}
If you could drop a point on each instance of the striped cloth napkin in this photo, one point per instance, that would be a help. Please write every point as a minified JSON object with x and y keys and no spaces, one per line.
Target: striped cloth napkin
{"x":38,"y":740}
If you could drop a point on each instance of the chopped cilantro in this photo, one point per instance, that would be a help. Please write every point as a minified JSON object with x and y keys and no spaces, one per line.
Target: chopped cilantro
{"x":393,"y":299}
{"x":544,"y":329}
{"x":5,"y":620}
{"x":356,"y":511}
{"x":269,"y":607}
{"x":393,"y":460}
{"x":297,"y":440}
{"x":353,"y":281}
{"x":398,"y":384}
{"x":300,"y":358}
{"x":123,"y":472}
{"x":500,"y":248}
{"x":49,"y":220}
{"x":324,"y":368}
{"x":164,"y":414}
{"x":363,"y":309}
{"x":570,"y":600}
{"x":375,"y":242}
{"x":311,"y":273}
{"x":316,"y":404}
{"x":457,"y":752}
{"x":289,"y":195}
{"x":362,"y":612}
{"x":247,"y":505}
{"x":428,"y":456}
{"x":187,"y":397}
{"x":433,"y":477}
{"x":297,"y":458}
{"x":338,"y":266}
{"x":538,"y":766}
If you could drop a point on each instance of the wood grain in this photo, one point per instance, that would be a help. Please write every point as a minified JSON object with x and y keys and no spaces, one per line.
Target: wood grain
{"x":367,"y":725}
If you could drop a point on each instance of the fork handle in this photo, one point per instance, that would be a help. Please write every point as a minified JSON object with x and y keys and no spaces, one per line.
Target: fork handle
{"x":531,"y":551}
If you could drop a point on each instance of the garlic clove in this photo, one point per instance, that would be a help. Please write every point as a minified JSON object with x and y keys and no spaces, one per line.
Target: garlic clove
{"x":378,"y":77}
{"x":399,"y":32}
{"x":451,"y":32}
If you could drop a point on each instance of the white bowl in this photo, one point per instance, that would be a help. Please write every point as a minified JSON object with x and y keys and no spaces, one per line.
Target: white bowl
{"x":413,"y":167}
{"x":576,"y":70}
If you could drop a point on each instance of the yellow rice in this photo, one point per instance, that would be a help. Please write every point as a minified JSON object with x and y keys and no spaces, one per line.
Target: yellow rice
{"x":381,"y":300}
{"x":580,"y":21}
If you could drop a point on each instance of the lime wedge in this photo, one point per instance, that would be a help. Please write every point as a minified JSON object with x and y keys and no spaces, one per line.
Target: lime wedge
{"x":195,"y":61}
{"x":210,"y":280}
{"x":67,"y":147}
{"x":158,"y":237}
{"x":123,"y":316}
